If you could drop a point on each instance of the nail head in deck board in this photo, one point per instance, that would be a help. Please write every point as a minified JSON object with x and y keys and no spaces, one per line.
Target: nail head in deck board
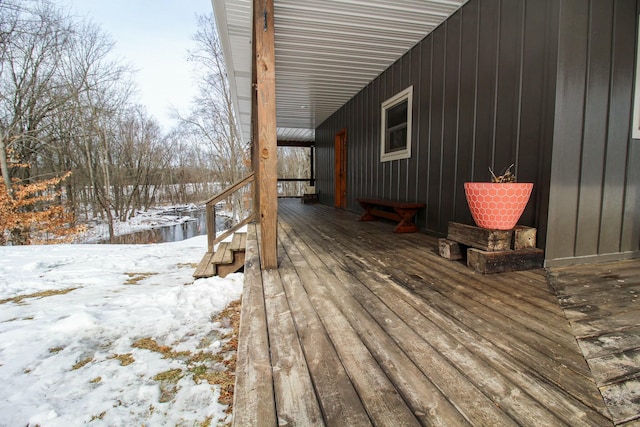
{"x":500,"y":262}
{"x":481,"y":238}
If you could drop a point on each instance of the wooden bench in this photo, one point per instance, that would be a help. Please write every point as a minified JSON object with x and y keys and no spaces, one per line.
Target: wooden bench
{"x":402,"y":212}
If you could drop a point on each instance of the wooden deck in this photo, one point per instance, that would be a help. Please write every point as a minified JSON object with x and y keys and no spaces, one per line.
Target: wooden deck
{"x":360,"y":326}
{"x":602,"y":303}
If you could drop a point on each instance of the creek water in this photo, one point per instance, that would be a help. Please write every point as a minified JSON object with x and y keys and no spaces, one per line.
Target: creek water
{"x":195,"y":226}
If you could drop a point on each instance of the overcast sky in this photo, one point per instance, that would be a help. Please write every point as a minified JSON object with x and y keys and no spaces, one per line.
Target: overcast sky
{"x":153,"y":36}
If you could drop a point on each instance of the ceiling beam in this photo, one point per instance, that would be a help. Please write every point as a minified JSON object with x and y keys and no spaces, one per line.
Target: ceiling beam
{"x":296,"y":143}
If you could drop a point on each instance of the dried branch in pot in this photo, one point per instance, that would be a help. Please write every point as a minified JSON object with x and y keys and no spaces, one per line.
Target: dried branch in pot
{"x":506,"y":176}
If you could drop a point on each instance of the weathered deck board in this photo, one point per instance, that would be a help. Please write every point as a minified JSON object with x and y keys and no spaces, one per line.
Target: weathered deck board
{"x":501,"y":333}
{"x":254,"y":402}
{"x":393,"y":334}
{"x":603,"y":305}
{"x":295,"y":398}
{"x":380,"y":398}
{"x":336,"y":395}
{"x":421,"y":396}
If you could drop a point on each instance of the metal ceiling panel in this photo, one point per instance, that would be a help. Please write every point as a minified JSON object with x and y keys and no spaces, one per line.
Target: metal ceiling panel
{"x":326,"y":52}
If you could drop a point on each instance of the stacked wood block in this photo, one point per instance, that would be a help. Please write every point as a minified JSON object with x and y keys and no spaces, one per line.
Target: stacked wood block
{"x":492,"y":251}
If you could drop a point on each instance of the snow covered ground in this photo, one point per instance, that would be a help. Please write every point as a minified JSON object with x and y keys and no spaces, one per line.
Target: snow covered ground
{"x":111,"y":335}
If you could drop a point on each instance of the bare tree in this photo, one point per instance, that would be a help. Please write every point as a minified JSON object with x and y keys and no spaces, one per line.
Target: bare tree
{"x":212,"y":119}
{"x":31,"y":90}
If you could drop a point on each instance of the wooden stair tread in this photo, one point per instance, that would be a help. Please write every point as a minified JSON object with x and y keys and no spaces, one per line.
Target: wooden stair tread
{"x":228,"y":258}
{"x":223,"y":255}
{"x":205,"y":268}
{"x":239,"y":242}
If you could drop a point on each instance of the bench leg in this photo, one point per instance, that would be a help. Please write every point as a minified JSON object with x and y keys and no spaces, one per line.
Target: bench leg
{"x":366,"y":216}
{"x":406,"y":224}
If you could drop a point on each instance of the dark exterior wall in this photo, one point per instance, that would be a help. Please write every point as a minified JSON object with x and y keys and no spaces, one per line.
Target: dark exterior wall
{"x":544,"y":84}
{"x":594,"y":196}
{"x":483,"y":96}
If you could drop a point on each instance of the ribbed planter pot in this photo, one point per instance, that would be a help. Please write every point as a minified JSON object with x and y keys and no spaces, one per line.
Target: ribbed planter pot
{"x":497,"y":206}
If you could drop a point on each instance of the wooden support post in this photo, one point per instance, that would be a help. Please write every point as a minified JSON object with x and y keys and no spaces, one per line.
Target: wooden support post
{"x":265,"y":130}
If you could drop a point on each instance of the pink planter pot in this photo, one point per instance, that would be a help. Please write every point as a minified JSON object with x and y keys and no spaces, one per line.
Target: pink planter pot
{"x":495,"y":205}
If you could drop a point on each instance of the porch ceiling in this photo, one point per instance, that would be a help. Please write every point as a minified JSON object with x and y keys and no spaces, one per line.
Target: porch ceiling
{"x":326,"y":51}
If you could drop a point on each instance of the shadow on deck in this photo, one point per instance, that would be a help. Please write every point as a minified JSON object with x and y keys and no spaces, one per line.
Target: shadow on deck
{"x":360,"y":326}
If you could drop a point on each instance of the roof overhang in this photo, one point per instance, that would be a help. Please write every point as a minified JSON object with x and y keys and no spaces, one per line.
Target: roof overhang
{"x":326,"y":52}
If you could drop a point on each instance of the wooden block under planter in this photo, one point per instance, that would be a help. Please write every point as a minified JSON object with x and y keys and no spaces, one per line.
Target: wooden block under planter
{"x":449,"y":249}
{"x":524,"y":237}
{"x":481,"y":238}
{"x":498,"y":262}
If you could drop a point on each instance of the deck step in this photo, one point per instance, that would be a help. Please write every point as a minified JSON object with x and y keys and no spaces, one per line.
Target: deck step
{"x":228,"y":258}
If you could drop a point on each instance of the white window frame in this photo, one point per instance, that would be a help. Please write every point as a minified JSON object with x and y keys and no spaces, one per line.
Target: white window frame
{"x":635,"y":133}
{"x":398,"y":98}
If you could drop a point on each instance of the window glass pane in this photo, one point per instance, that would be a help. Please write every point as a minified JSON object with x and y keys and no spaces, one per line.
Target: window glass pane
{"x":397,"y":115}
{"x":396,"y":139}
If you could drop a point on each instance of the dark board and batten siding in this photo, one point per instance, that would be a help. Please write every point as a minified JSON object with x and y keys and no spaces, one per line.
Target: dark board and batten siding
{"x":482,"y":97}
{"x":489,"y":90}
{"x":595,"y":191}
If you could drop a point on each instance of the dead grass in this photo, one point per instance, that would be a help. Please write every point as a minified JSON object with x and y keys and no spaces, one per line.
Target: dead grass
{"x":226,"y":379}
{"x":98,"y":417}
{"x":166,"y":351}
{"x":187,"y":265}
{"x":125,"y":359}
{"x":42,"y":294}
{"x":82,"y":363}
{"x":168,"y":384}
{"x":204,"y":365}
{"x":135,"y":278}
{"x":172,"y":376}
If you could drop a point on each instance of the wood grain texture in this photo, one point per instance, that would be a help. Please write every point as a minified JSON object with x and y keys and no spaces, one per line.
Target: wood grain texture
{"x":267,"y":141}
{"x":603,"y":305}
{"x":253,"y":399}
{"x":500,"y":262}
{"x":393,"y":334}
{"x":481,"y":238}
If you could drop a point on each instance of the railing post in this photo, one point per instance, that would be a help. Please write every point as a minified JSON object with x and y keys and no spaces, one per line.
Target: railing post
{"x":211,"y":226}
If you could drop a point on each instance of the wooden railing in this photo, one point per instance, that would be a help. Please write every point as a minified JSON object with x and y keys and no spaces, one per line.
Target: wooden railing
{"x":212,"y":239}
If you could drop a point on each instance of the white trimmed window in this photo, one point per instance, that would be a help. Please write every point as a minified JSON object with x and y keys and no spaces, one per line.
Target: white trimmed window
{"x":395,"y":129}
{"x":635,"y":134}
